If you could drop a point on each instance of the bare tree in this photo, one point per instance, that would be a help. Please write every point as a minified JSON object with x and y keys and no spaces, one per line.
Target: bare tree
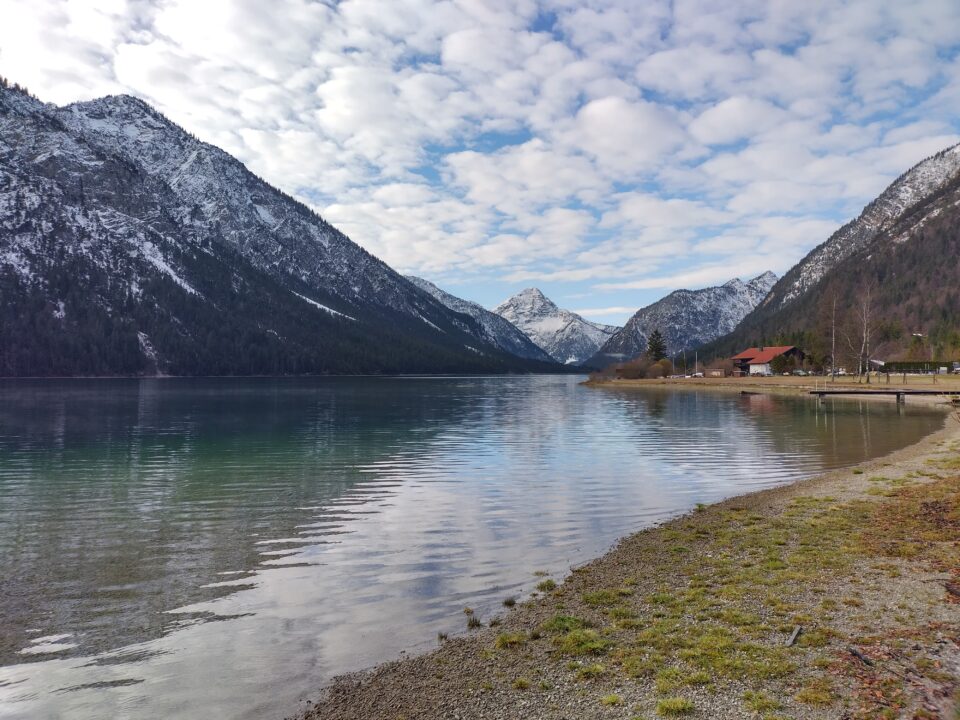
{"x":860,"y":329}
{"x":833,"y":338}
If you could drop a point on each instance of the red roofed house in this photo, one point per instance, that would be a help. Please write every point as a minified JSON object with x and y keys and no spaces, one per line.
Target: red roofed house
{"x":756,"y":361}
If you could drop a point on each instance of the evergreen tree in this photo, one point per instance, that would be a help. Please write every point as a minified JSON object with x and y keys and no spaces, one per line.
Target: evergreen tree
{"x":656,"y":346}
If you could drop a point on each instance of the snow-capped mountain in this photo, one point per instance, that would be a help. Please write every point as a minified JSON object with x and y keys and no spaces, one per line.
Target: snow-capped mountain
{"x":564,"y":335}
{"x":129,"y":246}
{"x":686,"y":318}
{"x":492,"y":328}
{"x":922,"y":180}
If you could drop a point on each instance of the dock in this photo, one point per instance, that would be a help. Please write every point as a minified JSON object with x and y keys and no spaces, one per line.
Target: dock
{"x":901,"y":394}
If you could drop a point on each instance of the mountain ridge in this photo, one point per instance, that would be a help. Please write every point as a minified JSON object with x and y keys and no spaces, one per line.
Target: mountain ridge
{"x":686,"y":318}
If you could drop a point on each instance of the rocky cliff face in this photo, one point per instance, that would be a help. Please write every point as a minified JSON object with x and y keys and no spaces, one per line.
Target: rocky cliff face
{"x":129,"y":246}
{"x":564,"y":335}
{"x":686,"y":318}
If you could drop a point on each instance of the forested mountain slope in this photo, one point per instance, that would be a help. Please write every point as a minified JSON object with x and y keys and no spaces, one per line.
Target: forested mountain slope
{"x":903,"y":285}
{"x":127,"y":246}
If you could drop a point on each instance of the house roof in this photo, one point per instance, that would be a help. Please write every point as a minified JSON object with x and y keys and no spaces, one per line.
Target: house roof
{"x":769,"y":353}
{"x":747,"y":354}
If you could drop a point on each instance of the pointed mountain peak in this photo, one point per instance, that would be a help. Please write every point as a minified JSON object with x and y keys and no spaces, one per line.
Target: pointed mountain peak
{"x":734,"y":283}
{"x":766,"y":280}
{"x":529,"y":300}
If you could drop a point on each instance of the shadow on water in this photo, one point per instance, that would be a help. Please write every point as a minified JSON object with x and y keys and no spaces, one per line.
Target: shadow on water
{"x":156,"y":533}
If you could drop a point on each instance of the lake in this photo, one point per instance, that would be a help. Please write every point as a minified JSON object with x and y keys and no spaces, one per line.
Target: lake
{"x":222,"y":547}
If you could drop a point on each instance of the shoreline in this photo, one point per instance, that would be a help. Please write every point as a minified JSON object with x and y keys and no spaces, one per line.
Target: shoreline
{"x":690,"y":618}
{"x":947,"y":384}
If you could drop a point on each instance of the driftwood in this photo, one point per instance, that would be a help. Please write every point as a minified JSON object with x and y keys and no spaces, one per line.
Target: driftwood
{"x":794,"y":635}
{"x":953,"y":588}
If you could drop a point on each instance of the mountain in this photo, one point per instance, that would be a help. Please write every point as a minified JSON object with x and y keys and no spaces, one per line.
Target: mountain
{"x":903,"y":248}
{"x":564,"y":335}
{"x":492,"y":328}
{"x":127,"y":246}
{"x":918,"y":183}
{"x":686,"y":318}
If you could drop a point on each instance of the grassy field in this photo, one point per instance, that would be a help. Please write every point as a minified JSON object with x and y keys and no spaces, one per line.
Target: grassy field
{"x":694,"y":618}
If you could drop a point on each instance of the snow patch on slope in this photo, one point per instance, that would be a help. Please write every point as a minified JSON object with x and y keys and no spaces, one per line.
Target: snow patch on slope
{"x":323,"y":307}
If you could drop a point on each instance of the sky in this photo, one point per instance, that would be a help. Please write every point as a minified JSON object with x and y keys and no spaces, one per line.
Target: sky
{"x":605,"y":152}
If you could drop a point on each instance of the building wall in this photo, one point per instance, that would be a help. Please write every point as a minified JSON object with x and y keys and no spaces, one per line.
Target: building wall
{"x":760,"y":369}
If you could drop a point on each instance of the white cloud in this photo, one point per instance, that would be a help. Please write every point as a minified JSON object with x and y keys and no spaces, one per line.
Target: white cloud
{"x":627,"y":140}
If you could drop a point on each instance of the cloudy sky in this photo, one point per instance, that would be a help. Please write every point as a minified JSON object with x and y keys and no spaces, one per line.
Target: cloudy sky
{"x":604,"y":151}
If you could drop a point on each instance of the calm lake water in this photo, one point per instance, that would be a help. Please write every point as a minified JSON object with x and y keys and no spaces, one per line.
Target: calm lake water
{"x":220,"y":548}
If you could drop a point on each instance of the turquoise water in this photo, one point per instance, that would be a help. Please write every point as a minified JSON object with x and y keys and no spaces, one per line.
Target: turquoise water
{"x":187,"y":548}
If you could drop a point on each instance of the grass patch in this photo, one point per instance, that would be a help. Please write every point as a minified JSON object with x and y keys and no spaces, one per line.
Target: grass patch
{"x":547,"y":585}
{"x":582,"y":642}
{"x":601,"y":598}
{"x":674,"y":706}
{"x":760,"y":702}
{"x":563,"y":624}
{"x":818,"y":691}
{"x":521,"y":684}
{"x":509,"y":640}
{"x":611,"y":699}
{"x":589,"y":672}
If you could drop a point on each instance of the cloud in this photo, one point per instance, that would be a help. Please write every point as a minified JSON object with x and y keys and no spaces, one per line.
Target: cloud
{"x":611,"y":147}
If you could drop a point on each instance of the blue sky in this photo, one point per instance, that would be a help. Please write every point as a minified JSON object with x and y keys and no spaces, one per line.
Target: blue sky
{"x":606,"y":152}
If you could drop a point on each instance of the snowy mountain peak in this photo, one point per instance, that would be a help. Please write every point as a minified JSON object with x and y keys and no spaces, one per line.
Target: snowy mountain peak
{"x":531,"y":300}
{"x":767,"y":279}
{"x":564,"y":335}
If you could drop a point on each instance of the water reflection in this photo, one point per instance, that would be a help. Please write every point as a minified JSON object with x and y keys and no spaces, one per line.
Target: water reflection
{"x":181,"y":548}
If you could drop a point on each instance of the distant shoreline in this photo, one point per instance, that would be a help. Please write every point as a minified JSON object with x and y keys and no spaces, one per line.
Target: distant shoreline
{"x":691,"y":618}
{"x":792,"y":385}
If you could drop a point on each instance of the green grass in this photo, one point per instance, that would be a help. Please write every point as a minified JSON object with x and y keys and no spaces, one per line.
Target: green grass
{"x":509,"y":640}
{"x":674,"y":706}
{"x":547,"y":585}
{"x":611,"y":700}
{"x":563,"y":624}
{"x":589,"y":672}
{"x":582,"y":642}
{"x":760,"y":702}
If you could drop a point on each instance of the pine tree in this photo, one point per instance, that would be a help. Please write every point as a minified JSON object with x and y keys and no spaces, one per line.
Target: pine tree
{"x":656,"y":346}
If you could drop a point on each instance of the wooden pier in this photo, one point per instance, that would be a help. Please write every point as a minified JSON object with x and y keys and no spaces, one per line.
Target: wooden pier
{"x":901,"y":394}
